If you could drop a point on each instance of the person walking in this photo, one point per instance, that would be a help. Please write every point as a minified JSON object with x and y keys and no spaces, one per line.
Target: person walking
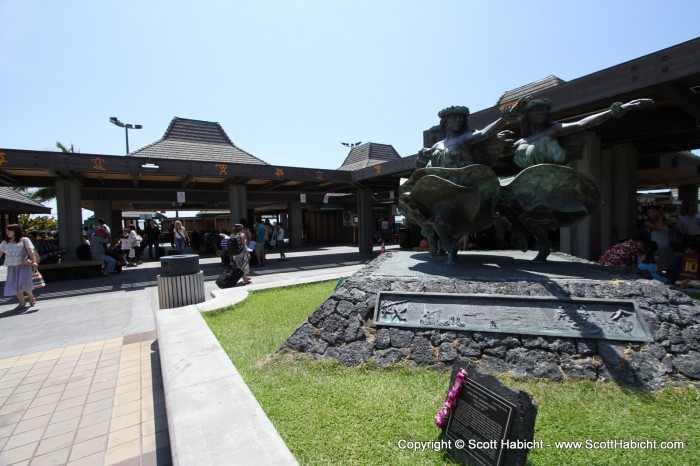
{"x":261,"y":236}
{"x":126,"y":245}
{"x":279,"y":240}
{"x":21,"y":261}
{"x":181,"y":237}
{"x":239,"y":251}
{"x":136,"y":244}
{"x":152,"y":233}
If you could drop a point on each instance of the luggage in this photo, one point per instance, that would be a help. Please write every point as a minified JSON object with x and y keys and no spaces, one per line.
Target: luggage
{"x":230,"y":277}
{"x":161,"y":251}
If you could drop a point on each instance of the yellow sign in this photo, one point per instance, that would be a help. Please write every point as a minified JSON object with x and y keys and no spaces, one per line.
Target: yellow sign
{"x":98,"y":164}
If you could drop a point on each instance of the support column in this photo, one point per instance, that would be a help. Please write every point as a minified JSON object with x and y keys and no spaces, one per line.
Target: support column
{"x":583,"y":239}
{"x":607,"y":235}
{"x":238,"y":203}
{"x":295,"y":224}
{"x":70,"y":224}
{"x":688,"y":195}
{"x":364,"y":212}
{"x":623,"y":196}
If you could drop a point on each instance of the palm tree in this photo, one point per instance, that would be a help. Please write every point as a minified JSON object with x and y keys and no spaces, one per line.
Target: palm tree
{"x":46,"y":194}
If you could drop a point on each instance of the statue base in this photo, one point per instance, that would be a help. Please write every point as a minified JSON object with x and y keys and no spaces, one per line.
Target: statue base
{"x":344,"y":326}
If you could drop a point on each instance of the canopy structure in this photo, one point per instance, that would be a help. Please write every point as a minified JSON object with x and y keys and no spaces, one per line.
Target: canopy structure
{"x":14,"y":202}
{"x":648,"y":148}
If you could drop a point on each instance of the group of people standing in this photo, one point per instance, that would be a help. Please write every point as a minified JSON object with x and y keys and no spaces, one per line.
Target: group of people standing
{"x":245,"y":248}
{"x":132,"y":244}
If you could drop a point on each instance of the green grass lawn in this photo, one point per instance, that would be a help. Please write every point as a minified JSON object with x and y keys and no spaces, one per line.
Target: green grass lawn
{"x":330,"y":414}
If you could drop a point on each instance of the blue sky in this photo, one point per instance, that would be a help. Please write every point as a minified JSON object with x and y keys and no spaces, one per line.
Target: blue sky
{"x":289,"y":81}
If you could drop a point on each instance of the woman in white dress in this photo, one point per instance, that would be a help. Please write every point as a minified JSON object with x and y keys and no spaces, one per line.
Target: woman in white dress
{"x":20,"y":260}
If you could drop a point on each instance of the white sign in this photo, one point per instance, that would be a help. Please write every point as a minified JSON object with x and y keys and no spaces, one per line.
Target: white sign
{"x":181,"y":196}
{"x":385,"y":225}
{"x":347,"y":218}
{"x":302,"y":198}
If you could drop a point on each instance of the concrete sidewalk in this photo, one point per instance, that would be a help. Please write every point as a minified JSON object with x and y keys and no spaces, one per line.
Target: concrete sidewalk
{"x":80,"y":379}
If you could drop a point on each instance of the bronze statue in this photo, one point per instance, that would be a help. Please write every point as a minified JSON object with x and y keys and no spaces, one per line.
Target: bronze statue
{"x":547,"y":195}
{"x":454,"y":192}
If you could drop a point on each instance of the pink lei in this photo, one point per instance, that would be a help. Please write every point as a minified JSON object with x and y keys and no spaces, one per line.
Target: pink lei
{"x":451,"y":402}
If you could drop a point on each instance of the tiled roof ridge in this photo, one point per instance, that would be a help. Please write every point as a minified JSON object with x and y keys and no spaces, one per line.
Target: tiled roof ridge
{"x":184,"y":130}
{"x":171,"y":134}
{"x":369,"y":151}
{"x":14,"y":195}
{"x":529,"y":88}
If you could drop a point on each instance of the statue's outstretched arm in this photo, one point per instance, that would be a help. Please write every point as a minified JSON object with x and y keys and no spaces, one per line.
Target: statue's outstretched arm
{"x":507,"y":115}
{"x":617,"y":110}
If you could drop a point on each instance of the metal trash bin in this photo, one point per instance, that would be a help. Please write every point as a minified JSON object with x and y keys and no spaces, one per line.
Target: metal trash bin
{"x":180,"y":282}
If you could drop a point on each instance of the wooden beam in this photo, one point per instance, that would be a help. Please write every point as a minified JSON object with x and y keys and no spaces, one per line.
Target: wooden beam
{"x":672,"y":93}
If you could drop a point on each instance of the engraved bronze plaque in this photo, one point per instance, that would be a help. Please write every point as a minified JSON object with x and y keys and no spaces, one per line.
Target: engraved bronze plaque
{"x":604,"y":319}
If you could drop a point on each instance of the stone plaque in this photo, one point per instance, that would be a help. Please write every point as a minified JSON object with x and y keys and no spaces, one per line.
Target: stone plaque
{"x":491,"y":424}
{"x":482,"y":421}
{"x":529,"y":315}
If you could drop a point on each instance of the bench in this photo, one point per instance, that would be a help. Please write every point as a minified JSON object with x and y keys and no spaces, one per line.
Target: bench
{"x":70,"y":270}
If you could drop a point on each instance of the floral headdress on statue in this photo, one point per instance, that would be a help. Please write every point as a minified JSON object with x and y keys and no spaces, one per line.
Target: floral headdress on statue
{"x":453,"y":111}
{"x":536,"y":103}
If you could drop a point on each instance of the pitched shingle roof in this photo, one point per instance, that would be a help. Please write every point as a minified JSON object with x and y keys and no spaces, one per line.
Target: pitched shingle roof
{"x":197,"y":140}
{"x":13,"y":201}
{"x":367,"y":155}
{"x":527,"y":89}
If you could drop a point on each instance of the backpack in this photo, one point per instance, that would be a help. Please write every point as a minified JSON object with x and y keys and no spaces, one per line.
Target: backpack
{"x":234,"y":245}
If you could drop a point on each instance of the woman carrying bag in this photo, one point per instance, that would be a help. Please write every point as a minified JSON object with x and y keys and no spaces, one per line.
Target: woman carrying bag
{"x":21,"y":261}
{"x":181,"y":237}
{"x":239,"y":251}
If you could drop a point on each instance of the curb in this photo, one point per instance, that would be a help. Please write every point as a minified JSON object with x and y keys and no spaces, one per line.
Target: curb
{"x":213,"y":417}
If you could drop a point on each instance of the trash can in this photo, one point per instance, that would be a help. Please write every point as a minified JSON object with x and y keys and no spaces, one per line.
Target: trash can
{"x":180,"y":282}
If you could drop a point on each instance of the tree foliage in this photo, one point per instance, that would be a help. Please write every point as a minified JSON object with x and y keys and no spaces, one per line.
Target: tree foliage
{"x":46,"y":194}
{"x":38,"y":223}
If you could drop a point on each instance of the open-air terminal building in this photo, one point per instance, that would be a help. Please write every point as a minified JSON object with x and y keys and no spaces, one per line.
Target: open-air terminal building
{"x":648,"y":149}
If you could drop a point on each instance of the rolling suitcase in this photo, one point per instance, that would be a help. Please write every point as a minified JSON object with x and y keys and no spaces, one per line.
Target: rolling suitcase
{"x":230,"y":277}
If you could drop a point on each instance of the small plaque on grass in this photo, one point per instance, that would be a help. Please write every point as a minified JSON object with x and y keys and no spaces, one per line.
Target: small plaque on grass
{"x":490,"y":424}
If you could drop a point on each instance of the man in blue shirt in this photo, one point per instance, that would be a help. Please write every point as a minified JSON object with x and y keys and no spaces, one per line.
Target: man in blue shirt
{"x":260,"y":238}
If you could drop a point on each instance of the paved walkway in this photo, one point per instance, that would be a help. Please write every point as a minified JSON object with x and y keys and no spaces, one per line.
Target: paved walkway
{"x":88,"y":404}
{"x":80,"y":380}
